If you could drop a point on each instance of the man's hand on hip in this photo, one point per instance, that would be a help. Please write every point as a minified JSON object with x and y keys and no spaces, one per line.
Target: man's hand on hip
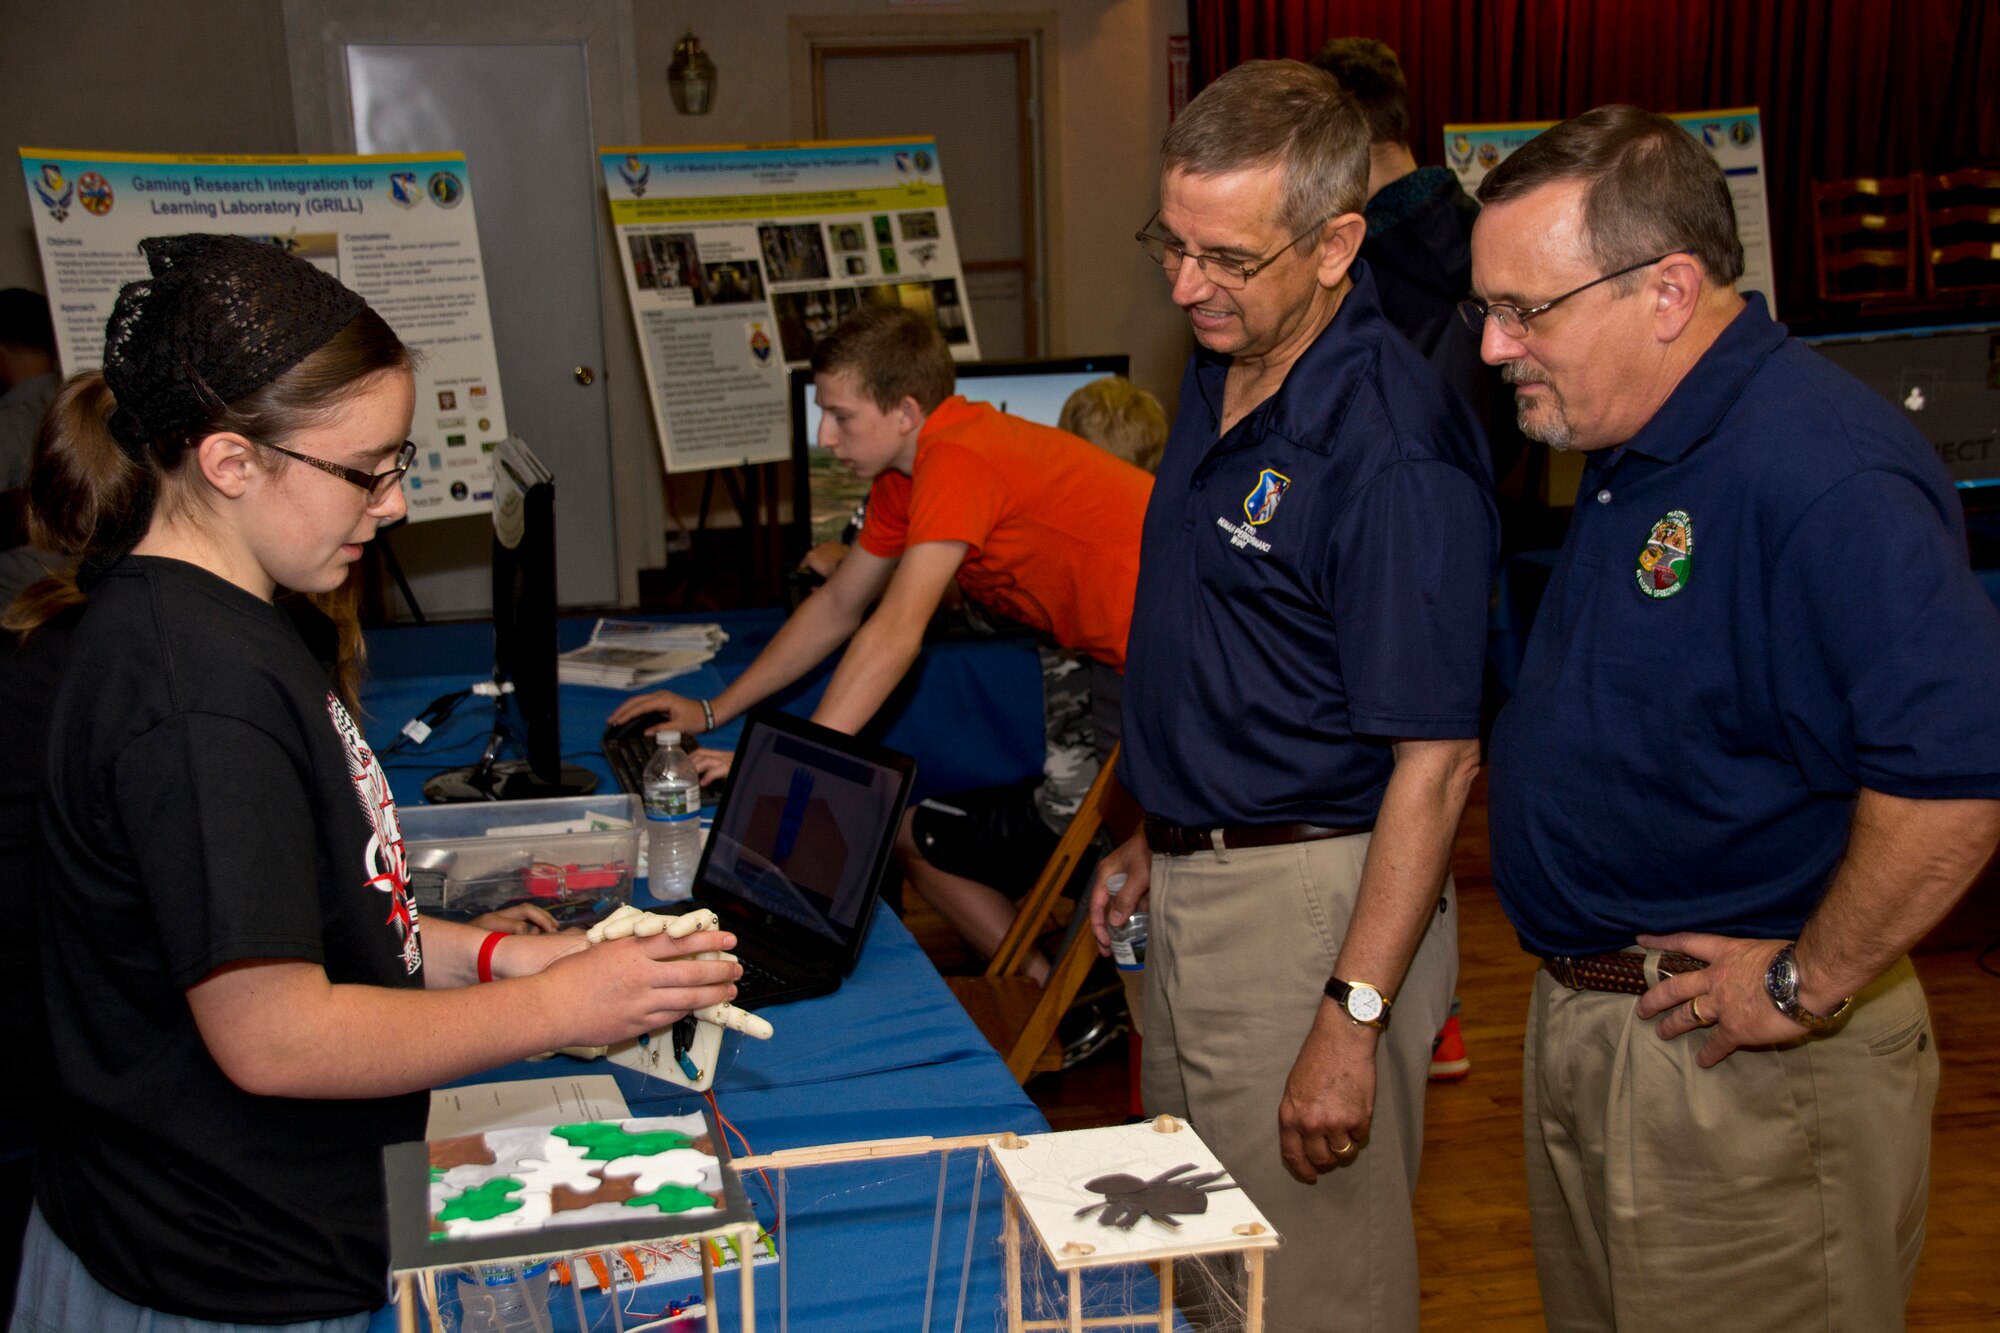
{"x":1329,"y":1098}
{"x":1728,"y":995}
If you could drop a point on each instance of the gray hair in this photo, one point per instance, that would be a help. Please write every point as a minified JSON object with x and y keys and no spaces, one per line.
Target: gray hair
{"x":1278,"y":113}
{"x":1651,"y":189}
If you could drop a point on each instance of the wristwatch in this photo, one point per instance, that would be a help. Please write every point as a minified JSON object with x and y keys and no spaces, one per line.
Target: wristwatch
{"x":1782,"y":981}
{"x":1361,"y":1002}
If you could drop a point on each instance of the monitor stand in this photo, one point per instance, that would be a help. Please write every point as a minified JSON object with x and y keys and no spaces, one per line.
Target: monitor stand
{"x":507,"y":780}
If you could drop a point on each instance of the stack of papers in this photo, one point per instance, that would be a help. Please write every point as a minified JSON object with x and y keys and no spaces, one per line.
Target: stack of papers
{"x":629,"y":654}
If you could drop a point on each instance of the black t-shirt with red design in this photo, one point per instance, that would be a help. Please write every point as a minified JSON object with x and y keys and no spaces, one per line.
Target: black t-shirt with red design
{"x":209,"y":800}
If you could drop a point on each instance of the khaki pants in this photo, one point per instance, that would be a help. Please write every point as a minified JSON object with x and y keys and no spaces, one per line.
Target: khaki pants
{"x":1784,"y":1188}
{"x":1240,"y":945}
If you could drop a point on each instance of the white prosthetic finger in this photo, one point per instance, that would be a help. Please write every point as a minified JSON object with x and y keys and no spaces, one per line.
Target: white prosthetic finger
{"x":736,"y":1020}
{"x":652,"y":923}
{"x":614,"y":927}
{"x":701,"y":918}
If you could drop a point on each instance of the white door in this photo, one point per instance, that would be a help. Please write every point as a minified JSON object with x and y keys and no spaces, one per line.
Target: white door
{"x":531,"y":160}
{"x":976,"y":98}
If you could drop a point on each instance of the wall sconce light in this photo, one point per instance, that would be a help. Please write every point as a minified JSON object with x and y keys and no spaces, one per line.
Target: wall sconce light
{"x":691,"y":77}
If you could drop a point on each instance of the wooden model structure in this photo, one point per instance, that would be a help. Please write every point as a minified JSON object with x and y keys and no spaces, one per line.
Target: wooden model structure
{"x":1145,"y":1193}
{"x":1149,"y":1194}
{"x":523,"y":1194}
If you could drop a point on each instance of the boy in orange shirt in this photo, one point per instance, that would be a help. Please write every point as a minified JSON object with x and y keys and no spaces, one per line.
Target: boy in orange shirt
{"x":1030,"y":521}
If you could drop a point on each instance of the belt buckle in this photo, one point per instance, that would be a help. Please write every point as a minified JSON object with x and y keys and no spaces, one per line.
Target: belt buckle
{"x":1563,"y":969}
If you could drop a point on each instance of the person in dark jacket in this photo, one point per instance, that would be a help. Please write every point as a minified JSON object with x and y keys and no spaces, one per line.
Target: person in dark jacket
{"x":1419,"y":248}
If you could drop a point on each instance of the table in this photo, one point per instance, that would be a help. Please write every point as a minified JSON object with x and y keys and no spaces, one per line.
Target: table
{"x":970,"y":710}
{"x":890,"y":1054}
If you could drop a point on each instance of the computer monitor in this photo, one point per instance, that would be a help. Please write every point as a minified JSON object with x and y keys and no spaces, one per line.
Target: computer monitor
{"x":1946,"y":380}
{"x":526,"y":716}
{"x":826,"y":495}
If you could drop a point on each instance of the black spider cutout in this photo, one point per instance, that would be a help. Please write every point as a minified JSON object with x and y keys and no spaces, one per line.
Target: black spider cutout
{"x":1128,"y":1198}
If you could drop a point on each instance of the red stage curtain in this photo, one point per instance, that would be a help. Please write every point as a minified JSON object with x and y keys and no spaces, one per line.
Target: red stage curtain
{"x":1847,"y":87}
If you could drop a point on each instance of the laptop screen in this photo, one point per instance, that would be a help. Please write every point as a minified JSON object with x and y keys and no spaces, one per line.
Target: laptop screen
{"x":807,"y":826}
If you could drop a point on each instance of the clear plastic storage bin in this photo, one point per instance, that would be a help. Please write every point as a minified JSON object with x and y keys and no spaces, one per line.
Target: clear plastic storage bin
{"x":574,"y":857}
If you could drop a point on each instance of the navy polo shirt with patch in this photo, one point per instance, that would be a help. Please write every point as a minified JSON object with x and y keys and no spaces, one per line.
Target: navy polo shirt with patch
{"x":1312,"y":585}
{"x":1763,"y":604}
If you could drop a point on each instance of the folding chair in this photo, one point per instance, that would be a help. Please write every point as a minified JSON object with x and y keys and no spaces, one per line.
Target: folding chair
{"x":1961,"y":212}
{"x":1865,"y":239}
{"x":1016,"y":1015}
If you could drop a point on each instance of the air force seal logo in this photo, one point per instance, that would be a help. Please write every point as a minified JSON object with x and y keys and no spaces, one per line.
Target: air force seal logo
{"x":1663,"y":564}
{"x":635,"y":172}
{"x":1262,"y":502}
{"x":54,"y":191}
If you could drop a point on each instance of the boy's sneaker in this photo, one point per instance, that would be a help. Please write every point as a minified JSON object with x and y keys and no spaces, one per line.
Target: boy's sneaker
{"x":1448,"y":1062}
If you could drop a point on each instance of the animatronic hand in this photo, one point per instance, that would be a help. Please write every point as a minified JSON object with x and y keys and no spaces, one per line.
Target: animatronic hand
{"x":629,"y":920}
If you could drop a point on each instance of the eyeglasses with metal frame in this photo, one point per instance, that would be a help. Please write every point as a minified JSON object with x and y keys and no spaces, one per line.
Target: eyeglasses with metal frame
{"x":1513,"y":320}
{"x":377,"y":484}
{"x":1225,"y":273}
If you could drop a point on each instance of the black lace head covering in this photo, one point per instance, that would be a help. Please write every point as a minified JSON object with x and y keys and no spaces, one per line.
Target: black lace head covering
{"x":220,"y":317}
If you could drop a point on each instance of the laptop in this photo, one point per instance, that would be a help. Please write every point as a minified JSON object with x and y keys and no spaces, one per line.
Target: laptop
{"x":795,"y":859}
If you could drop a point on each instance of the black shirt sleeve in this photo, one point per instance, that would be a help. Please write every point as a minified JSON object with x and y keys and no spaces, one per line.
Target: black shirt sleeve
{"x":217,"y":817}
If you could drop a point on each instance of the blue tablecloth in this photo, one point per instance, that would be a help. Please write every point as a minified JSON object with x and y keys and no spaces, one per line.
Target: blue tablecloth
{"x":970,"y":710}
{"x":890,"y":1054}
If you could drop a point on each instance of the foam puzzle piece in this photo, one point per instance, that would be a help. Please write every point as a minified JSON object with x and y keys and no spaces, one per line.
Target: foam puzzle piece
{"x":662,"y":1167}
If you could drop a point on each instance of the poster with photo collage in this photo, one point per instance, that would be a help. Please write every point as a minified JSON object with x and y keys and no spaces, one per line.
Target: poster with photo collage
{"x":737,"y":260}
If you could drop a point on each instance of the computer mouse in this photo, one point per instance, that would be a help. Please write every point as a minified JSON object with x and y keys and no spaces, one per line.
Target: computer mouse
{"x":637,"y":726}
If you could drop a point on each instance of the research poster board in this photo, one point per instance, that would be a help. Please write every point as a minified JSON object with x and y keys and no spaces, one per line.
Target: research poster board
{"x":1733,"y":137}
{"x":399,"y":231}
{"x":739,"y":258}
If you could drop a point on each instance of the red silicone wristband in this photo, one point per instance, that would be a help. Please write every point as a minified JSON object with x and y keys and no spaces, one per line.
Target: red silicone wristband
{"x":486,"y":949}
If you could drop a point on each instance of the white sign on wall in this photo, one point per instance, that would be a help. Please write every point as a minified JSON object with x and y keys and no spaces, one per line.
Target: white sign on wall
{"x":399,"y":231}
{"x":738,"y":260}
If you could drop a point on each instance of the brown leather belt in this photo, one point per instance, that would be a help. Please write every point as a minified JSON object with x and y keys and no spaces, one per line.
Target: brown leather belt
{"x":1178,"y":839}
{"x":1619,"y":973}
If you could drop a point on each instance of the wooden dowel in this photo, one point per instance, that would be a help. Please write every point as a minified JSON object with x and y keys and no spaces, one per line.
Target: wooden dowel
{"x":745,"y":1240}
{"x":406,"y":1303}
{"x":1012,"y":1232}
{"x":1254,"y":1261}
{"x":868,"y":1150}
{"x":1076,"y":1300}
{"x":708,"y":1285}
{"x":1166,"y":1296}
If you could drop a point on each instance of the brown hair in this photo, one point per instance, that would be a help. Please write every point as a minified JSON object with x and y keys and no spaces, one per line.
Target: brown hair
{"x":1278,"y":113}
{"x":90,"y":499}
{"x":1651,"y":189}
{"x":1368,"y":70}
{"x":893,"y":353}
{"x":1118,"y":417}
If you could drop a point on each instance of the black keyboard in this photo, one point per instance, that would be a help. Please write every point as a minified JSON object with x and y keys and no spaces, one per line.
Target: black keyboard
{"x":628,"y":756}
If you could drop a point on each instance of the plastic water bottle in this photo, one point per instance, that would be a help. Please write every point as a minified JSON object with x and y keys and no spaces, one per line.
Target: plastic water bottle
{"x":673,"y":818}
{"x":504,"y":1298}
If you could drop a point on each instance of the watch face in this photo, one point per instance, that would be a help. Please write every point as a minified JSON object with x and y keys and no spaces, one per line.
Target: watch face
{"x":1364,"y":1003}
{"x":1783,"y":979}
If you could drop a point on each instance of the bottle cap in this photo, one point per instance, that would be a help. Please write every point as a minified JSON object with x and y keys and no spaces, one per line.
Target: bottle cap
{"x":666,"y":738}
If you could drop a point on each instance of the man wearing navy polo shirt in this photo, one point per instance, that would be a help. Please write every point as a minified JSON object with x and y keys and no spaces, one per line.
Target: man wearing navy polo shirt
{"x":1753,"y":757}
{"x":1301,"y":697}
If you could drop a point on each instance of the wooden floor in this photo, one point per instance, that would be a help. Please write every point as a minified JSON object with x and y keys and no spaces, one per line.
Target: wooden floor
{"x":1472,"y":1222}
